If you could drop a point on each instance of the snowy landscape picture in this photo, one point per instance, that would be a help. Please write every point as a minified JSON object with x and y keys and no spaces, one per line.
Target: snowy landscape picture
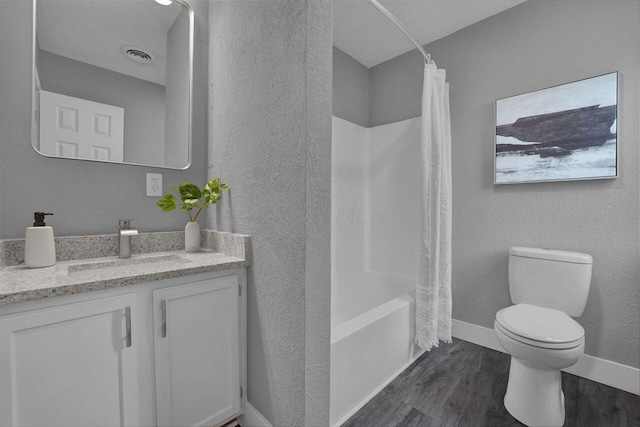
{"x":565,"y":132}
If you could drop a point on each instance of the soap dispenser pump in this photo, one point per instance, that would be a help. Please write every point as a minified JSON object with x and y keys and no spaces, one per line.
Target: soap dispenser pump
{"x":39,"y":246}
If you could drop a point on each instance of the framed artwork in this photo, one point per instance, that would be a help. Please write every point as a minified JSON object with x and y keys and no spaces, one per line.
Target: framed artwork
{"x":565,"y":132}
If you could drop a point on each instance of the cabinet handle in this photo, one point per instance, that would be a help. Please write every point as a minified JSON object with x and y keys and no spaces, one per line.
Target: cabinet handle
{"x":127,"y":315}
{"x":163,"y":307}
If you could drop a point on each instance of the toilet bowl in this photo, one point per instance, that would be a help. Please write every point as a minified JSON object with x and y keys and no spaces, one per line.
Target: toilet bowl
{"x":547,"y":287}
{"x":541,"y":342}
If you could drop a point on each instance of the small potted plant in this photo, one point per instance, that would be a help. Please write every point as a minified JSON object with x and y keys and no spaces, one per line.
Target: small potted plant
{"x":193,"y":197}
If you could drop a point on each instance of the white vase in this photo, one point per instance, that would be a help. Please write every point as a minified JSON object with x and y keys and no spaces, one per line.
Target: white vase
{"x":192,"y":237}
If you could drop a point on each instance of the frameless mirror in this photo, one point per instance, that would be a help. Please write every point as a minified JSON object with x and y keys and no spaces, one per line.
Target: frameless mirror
{"x":112,"y":81}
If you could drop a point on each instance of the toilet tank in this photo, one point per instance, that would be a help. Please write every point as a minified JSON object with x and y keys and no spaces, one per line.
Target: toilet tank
{"x":550,"y":278}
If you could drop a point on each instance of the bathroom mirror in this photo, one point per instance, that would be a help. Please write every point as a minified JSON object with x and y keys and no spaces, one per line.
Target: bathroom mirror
{"x":112,"y":81}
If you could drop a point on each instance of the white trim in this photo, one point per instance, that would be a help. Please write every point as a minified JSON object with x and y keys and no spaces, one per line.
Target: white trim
{"x":343,"y":419}
{"x":480,"y":335}
{"x":37,"y":79}
{"x":252,"y":418}
{"x":622,"y":377}
{"x":614,"y":374}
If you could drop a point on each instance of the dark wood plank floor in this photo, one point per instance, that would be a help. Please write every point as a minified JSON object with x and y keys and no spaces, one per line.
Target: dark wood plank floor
{"x":463,"y":384}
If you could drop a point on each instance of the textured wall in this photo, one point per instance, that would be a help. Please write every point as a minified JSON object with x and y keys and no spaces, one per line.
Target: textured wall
{"x":532,"y":46}
{"x":318,"y":215}
{"x":86,"y":197}
{"x":269,"y":123}
{"x":350,"y":89}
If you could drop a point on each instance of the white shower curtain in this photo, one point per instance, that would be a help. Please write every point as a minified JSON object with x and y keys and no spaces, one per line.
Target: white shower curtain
{"x":433,"y":293}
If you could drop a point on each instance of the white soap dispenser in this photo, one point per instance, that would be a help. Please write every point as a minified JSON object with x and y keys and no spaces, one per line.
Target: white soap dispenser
{"x":39,"y":246}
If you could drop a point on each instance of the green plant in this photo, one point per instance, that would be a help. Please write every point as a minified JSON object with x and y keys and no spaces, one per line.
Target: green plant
{"x":192,"y":197}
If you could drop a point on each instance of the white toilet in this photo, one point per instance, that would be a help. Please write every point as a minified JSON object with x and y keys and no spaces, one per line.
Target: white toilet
{"x":546,"y":286}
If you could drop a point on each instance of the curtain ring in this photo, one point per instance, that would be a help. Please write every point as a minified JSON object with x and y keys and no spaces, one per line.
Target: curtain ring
{"x":429,"y":58}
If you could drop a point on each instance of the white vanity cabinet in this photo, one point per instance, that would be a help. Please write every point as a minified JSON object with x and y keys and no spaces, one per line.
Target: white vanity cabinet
{"x":197,"y":349}
{"x":69,"y":365}
{"x":169,"y":352}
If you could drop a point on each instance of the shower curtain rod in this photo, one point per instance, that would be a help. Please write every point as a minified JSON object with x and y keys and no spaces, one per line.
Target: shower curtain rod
{"x":392,"y":18}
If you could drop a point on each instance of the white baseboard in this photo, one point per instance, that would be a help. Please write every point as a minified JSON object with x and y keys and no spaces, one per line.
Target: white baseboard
{"x":622,"y":377}
{"x":480,"y":335}
{"x":252,"y":418}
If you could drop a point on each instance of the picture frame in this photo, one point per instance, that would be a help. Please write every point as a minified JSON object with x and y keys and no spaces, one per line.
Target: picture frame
{"x":561,"y":133}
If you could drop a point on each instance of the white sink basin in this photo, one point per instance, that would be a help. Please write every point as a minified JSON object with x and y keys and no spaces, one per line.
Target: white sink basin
{"x":128,"y":265}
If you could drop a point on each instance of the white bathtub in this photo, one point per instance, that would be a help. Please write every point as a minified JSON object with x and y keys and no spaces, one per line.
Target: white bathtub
{"x":371,"y":338}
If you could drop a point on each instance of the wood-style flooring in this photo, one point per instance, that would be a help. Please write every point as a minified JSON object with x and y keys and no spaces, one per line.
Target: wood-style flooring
{"x":463,"y":384}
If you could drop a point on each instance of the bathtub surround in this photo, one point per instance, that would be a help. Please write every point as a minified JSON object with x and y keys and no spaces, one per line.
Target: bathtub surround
{"x":30,"y":182}
{"x":375,"y":233}
{"x":371,"y":338}
{"x":531,"y":46}
{"x":433,"y":290}
{"x":269,"y":137}
{"x":374,"y":258}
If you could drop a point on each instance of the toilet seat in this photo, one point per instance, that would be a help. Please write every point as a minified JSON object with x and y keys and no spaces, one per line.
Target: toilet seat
{"x":540,"y":326}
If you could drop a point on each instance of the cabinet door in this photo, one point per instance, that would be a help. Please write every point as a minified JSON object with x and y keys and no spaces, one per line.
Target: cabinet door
{"x":71,"y":365}
{"x":197,"y":352}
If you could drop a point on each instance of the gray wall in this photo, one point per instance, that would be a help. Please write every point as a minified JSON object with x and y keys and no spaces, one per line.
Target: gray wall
{"x":350,"y":89}
{"x":532,"y":46}
{"x":86,"y":197}
{"x":318,"y":211}
{"x":143,"y":101}
{"x":270,"y":123}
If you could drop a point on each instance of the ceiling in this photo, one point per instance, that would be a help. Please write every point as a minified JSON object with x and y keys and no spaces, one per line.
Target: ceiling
{"x":94,"y":32}
{"x":73,"y":28}
{"x":363,"y":33}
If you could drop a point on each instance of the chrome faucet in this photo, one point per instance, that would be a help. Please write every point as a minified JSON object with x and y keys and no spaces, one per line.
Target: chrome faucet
{"x":124,"y":233}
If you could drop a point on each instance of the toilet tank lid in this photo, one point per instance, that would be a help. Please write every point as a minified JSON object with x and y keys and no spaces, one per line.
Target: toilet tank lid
{"x":551,"y":254}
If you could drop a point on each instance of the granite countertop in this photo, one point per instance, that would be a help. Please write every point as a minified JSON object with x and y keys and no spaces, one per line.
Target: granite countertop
{"x":18,"y":283}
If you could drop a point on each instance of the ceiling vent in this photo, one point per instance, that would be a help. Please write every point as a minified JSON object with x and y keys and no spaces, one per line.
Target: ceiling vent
{"x":138,"y":54}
